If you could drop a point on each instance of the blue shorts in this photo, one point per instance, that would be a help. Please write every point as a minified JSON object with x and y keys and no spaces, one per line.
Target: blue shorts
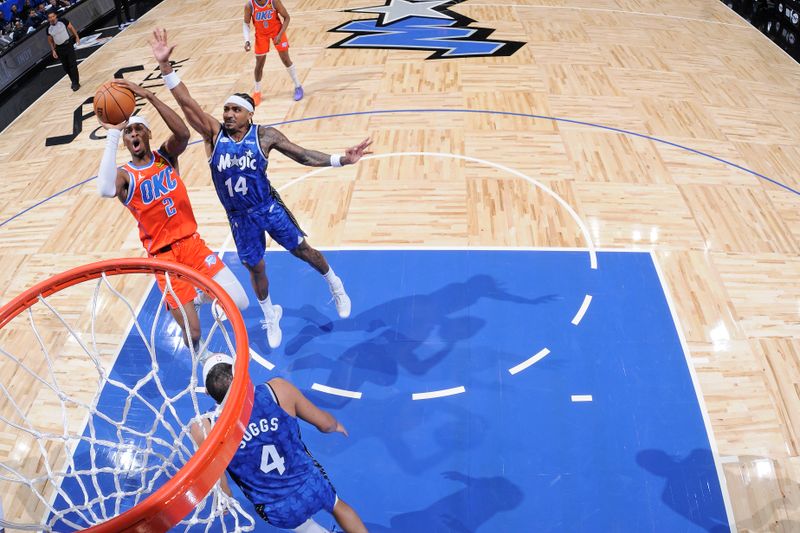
{"x":314,"y":495}
{"x":248,"y":229}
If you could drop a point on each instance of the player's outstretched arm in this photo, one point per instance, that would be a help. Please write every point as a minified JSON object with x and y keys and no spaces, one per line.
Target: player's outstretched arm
{"x":112,"y":181}
{"x":295,"y":403}
{"x":206,"y":125}
{"x":270,"y":138}
{"x":177,"y":142}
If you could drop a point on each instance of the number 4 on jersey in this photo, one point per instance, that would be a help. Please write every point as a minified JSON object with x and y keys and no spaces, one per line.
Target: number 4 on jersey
{"x":240,"y":187}
{"x":271,"y":460}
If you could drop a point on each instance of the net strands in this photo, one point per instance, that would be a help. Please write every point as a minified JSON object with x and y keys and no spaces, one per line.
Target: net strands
{"x":127,"y":449}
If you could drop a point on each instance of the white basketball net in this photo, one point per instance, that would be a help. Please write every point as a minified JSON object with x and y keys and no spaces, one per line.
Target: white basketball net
{"x":70,"y":459}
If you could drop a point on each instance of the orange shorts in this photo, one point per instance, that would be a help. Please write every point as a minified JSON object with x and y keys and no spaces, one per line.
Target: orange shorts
{"x":192,"y":252}
{"x":262,"y":44}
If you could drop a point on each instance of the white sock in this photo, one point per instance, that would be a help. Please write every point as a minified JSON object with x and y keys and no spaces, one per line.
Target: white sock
{"x":257,"y":87}
{"x":293,"y":74}
{"x":266,"y":307}
{"x":332,"y":279}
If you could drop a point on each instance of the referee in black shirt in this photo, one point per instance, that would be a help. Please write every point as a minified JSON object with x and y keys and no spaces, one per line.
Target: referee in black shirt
{"x":61,"y":45}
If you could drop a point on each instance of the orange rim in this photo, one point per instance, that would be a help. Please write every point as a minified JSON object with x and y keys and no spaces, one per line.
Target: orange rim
{"x":180,"y":495}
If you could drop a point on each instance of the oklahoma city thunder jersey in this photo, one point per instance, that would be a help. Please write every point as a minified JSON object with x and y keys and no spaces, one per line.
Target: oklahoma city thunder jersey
{"x":158,"y":200}
{"x":265,"y":18}
{"x":239,"y":171}
{"x":272,"y":461}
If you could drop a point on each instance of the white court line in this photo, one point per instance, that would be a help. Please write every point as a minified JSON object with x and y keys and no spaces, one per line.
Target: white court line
{"x":404,"y":247}
{"x":260,"y":360}
{"x":587,"y":237}
{"x":528,"y":362}
{"x":581,"y":397}
{"x":700,"y":400}
{"x":438,"y":393}
{"x":536,"y":184}
{"x":582,"y":311}
{"x":337,"y":392}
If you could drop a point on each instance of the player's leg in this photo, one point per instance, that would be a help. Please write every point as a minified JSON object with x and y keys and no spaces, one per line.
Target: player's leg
{"x":180,"y":294}
{"x":282,"y":227}
{"x":347,"y":518}
{"x":197,"y":255}
{"x":248,"y":234}
{"x":260,"y":50}
{"x":228,"y":280}
{"x":283,"y":52}
{"x":190,"y":326}
{"x":314,"y":257}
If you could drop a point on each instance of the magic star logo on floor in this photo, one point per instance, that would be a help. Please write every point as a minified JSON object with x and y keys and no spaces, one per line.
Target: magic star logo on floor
{"x":422,"y":25}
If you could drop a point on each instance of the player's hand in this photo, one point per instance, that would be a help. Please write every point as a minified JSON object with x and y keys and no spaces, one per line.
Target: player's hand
{"x":121,"y":126}
{"x":138,"y":90}
{"x":160,"y":46}
{"x":354,"y":153}
{"x":247,"y":46}
{"x":341,"y":429}
{"x":277,"y":39}
{"x":55,"y":55}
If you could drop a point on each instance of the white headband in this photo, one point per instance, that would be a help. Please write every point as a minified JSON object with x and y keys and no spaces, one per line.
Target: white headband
{"x":241,"y":102}
{"x":213,"y":360}
{"x":136,"y":119}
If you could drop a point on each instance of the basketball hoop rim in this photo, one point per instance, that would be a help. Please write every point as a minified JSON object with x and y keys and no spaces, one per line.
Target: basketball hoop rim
{"x":177,"y":497}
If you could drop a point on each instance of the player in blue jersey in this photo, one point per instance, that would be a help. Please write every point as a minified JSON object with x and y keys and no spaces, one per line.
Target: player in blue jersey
{"x":238,"y":153}
{"x":272,"y":466}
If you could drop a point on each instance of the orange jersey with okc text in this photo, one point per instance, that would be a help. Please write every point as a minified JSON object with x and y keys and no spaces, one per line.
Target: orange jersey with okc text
{"x":265,"y":18}
{"x":158,"y":200}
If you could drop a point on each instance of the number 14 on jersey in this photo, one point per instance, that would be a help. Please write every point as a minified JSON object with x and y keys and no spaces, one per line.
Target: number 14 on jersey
{"x":240,"y":186}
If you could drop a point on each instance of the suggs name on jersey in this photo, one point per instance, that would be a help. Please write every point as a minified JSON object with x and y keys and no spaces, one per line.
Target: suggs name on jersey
{"x":254,"y":429}
{"x":226,"y":161}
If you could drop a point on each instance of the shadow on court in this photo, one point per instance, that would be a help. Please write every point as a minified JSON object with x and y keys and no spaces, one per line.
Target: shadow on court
{"x":464,"y":511}
{"x":690,"y":487}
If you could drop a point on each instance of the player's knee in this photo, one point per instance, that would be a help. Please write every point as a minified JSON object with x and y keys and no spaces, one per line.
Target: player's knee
{"x":239,"y":297}
{"x":231,"y":284}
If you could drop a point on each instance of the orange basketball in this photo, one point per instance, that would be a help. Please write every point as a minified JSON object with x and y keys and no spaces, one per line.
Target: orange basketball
{"x":113,"y":104}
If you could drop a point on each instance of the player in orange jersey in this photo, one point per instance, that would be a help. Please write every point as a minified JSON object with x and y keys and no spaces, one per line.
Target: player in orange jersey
{"x":151,"y":188}
{"x":270,"y":20}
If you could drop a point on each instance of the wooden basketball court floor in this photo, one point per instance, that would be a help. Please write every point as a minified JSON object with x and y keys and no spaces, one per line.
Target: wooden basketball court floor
{"x":630,"y":99}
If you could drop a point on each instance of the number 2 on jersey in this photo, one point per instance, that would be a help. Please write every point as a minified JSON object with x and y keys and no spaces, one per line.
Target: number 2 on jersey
{"x":240,"y":186}
{"x":169,"y":206}
{"x":271,"y":460}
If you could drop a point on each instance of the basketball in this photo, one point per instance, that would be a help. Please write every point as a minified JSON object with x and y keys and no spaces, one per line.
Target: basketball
{"x":113,"y":104}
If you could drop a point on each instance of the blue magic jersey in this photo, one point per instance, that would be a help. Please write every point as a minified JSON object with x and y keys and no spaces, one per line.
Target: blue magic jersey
{"x":271,"y":462}
{"x":239,"y":171}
